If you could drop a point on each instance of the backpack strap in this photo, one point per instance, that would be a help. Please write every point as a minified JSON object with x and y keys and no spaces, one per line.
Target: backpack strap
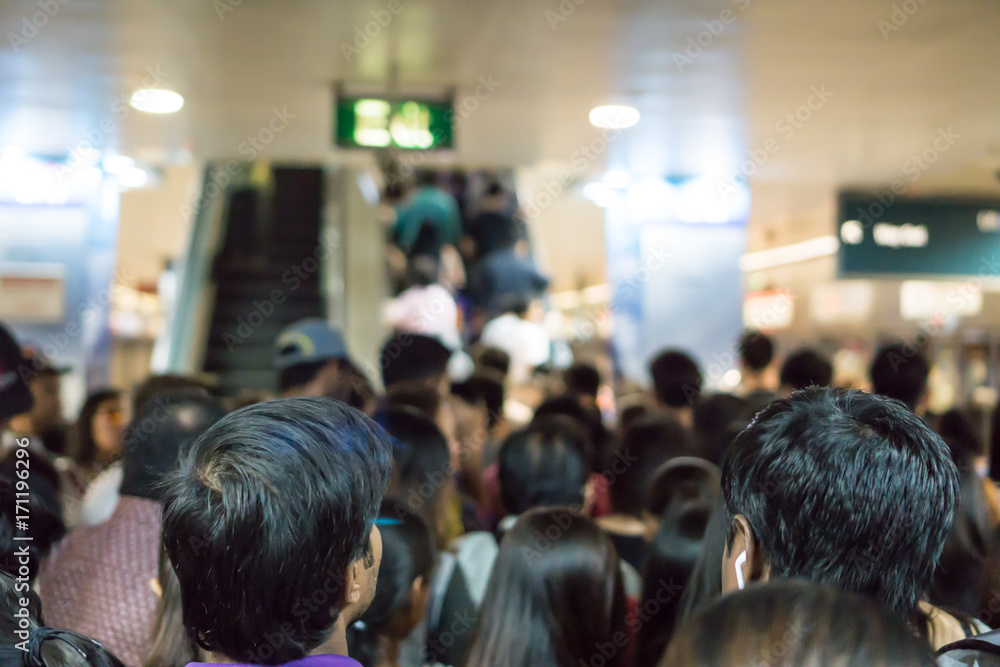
{"x":988,"y":643}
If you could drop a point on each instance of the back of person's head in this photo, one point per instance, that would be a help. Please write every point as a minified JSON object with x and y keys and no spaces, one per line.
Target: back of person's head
{"x":155,"y":385}
{"x":555,"y":596}
{"x":962,"y":435}
{"x":158,"y":433}
{"x":421,"y":461}
{"x":545,"y":464}
{"x":756,"y":350}
{"x":484,"y":391}
{"x":845,"y":488}
{"x":717,"y":420}
{"x":900,"y":371}
{"x":680,"y":480}
{"x":30,"y":519}
{"x":403,"y":588}
{"x":672,"y":554}
{"x":85,"y":450}
{"x":493,"y":358}
{"x":589,"y":418}
{"x":582,"y":380}
{"x":274,"y":506}
{"x":806,"y":368}
{"x":796,"y":624}
{"x":25,"y":641}
{"x":676,"y":378}
{"x":426,"y":178}
{"x":422,"y":270}
{"x":645,"y":446}
{"x":410,"y":357}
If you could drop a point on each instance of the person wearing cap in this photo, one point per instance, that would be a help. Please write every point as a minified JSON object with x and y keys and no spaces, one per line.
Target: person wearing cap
{"x":44,"y":420}
{"x":311,"y":359}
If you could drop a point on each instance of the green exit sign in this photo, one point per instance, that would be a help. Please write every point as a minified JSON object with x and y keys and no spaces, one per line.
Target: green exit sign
{"x":371,"y":122}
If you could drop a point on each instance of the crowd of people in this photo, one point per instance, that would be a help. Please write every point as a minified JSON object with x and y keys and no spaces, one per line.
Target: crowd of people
{"x":452,"y":518}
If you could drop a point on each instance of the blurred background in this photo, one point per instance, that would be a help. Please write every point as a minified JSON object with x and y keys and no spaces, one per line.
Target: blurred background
{"x":181,"y":179}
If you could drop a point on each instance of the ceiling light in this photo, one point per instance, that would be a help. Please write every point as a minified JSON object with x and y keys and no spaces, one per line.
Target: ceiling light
{"x":823,"y":246}
{"x":133,"y":177}
{"x":617,"y":178}
{"x":156,"y":100}
{"x":116,"y":164}
{"x":614,"y":117}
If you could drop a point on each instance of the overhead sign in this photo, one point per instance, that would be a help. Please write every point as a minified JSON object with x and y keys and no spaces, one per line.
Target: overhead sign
{"x":888,"y":235}
{"x":32,"y":293}
{"x":372,"y":122}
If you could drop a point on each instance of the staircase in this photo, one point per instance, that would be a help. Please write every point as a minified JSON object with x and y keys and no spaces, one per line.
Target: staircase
{"x":267,"y":276}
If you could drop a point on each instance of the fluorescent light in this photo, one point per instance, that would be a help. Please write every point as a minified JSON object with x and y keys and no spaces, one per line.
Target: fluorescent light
{"x":614,"y":117}
{"x":134,"y":177}
{"x":599,"y":194}
{"x":156,"y":100}
{"x":617,"y":178}
{"x":116,"y":164}
{"x":822,"y":246}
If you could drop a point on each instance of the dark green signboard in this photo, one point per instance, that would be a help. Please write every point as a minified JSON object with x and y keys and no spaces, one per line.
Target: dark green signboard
{"x":888,"y":235}
{"x":372,"y":122}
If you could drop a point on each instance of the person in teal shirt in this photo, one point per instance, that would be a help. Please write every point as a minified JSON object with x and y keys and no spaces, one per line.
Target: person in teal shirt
{"x":432,"y":205}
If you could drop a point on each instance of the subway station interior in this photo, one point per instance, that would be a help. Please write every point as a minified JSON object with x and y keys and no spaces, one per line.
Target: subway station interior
{"x":576,"y":186}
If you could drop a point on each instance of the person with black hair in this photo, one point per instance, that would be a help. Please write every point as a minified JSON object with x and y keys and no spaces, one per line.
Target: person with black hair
{"x":555,"y":598}
{"x":311,"y":359}
{"x":96,"y":580}
{"x":25,"y":640}
{"x":845,"y":488}
{"x":494,"y":359}
{"x":977,"y":518}
{"x":43,"y":423}
{"x":673,"y":552}
{"x":717,"y":420}
{"x":676,"y":384}
{"x":98,"y":433}
{"x":402,"y":592}
{"x":805,"y":368}
{"x":15,"y":395}
{"x":900,"y":371}
{"x":795,"y":624}
{"x":269,"y":524}
{"x":756,"y":355}
{"x":416,"y":361}
{"x":645,"y":447}
{"x":583,"y":380}
{"x":545,"y":464}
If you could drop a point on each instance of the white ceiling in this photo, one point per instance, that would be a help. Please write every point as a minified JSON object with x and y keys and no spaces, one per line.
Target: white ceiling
{"x":890,"y":93}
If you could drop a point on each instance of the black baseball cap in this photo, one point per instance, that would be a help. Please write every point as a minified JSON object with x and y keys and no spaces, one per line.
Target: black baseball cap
{"x":15,"y":397}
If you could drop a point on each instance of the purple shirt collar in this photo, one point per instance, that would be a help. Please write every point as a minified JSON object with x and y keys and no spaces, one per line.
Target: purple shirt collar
{"x":308,"y":661}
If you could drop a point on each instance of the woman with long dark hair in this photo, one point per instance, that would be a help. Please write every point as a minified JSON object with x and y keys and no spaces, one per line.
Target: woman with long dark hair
{"x":402,"y":591}
{"x":99,"y":430}
{"x":555,"y":598}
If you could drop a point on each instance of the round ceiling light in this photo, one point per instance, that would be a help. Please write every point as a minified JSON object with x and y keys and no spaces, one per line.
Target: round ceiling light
{"x":156,"y":100}
{"x":614,"y":117}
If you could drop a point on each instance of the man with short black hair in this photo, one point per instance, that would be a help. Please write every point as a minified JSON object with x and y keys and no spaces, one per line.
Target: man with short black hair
{"x":415,"y":360}
{"x":311,"y":358}
{"x":756,"y":354}
{"x":676,"y":384}
{"x":844,"y":488}
{"x":805,"y":368}
{"x":900,"y":371}
{"x":270,"y":527}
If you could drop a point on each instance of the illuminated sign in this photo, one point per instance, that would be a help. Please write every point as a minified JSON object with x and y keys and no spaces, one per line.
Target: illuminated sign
{"x":371,"y":122}
{"x":882,"y":234}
